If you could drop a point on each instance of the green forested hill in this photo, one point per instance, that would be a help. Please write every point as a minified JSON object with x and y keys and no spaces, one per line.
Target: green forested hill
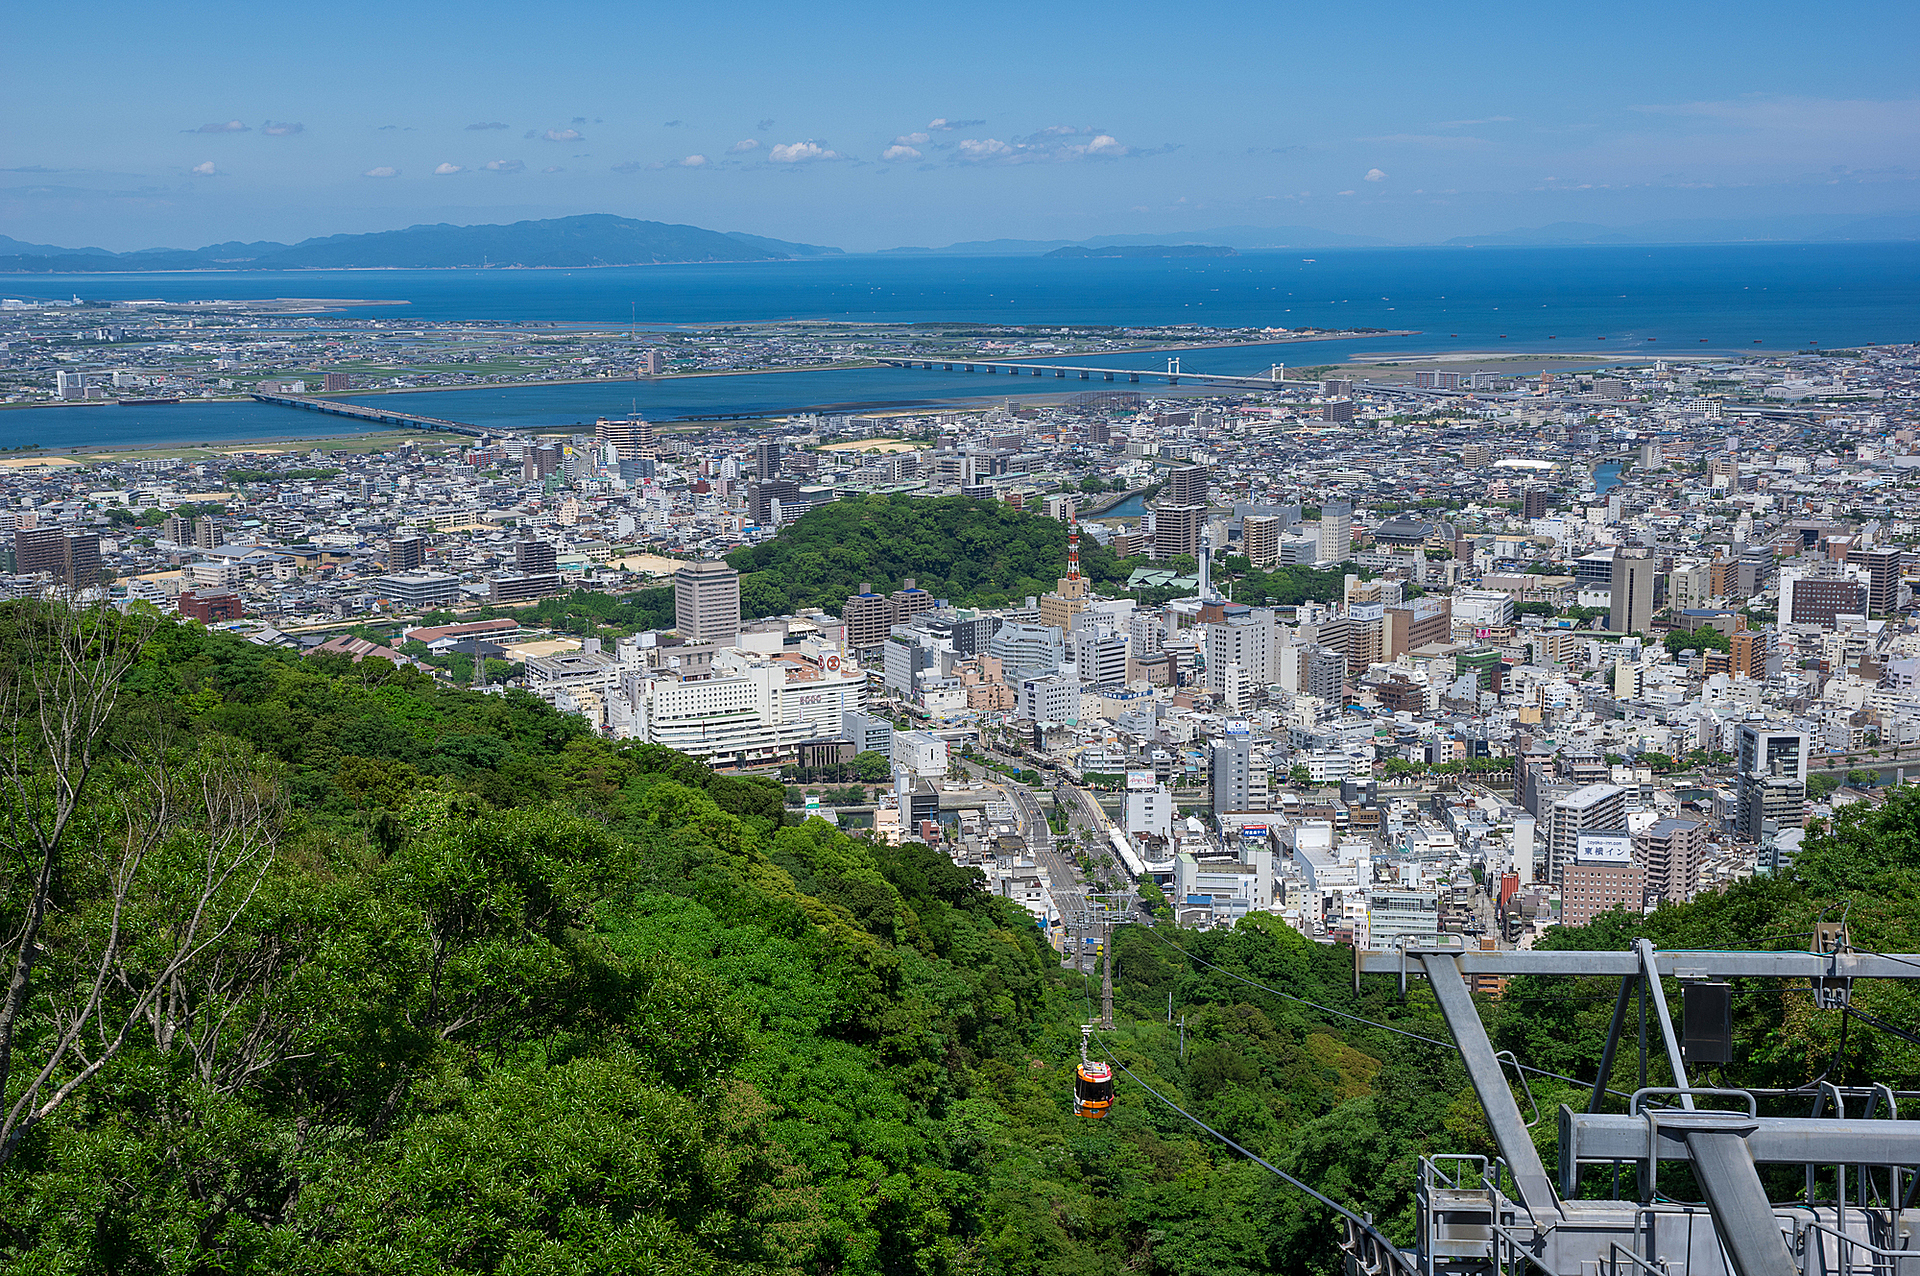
{"x":508,"y":998}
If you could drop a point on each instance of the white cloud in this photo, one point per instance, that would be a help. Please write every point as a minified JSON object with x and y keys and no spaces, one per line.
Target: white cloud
{"x":383,"y":171}
{"x":630,"y":166}
{"x":912,"y":139}
{"x":744,"y":145}
{"x":894,"y":154}
{"x":1375,"y":175}
{"x":1104,"y":144}
{"x":799,"y":152}
{"x":231,"y":126}
{"x":448,"y":170}
{"x":1491,"y":119}
{"x":553,"y":168}
{"x":984,"y":148}
{"x":694,"y":161}
{"x":1344,"y":192}
{"x":204,"y":170}
{"x":555,"y":135}
{"x":945,"y":125}
{"x":505,"y":166}
{"x":282,"y":129}
{"x":483,"y":125}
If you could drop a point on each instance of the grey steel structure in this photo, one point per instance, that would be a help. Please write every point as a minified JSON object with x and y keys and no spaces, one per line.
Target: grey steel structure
{"x":1855,"y":1217}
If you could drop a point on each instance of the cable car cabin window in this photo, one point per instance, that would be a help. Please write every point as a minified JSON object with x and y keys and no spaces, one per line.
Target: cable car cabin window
{"x":1093,"y":1090}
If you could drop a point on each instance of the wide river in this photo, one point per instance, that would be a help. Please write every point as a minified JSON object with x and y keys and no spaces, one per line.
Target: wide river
{"x":1720,"y":299}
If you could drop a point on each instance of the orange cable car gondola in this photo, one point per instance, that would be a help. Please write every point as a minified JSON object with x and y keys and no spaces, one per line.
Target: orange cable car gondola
{"x":1092,"y":1080}
{"x":1092,"y":1089}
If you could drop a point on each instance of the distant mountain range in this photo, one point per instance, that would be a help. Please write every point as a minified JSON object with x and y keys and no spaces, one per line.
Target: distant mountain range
{"x":601,"y":239}
{"x":596,"y":239}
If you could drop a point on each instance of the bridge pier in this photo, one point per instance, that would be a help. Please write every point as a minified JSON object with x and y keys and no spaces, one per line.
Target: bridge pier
{"x":1086,"y":376}
{"x":991,"y":368}
{"x":1173,"y":380}
{"x":1060,"y":372}
{"x":1133,"y":376}
{"x":946,"y":367}
{"x":1036,"y":372}
{"x":1109,"y":376}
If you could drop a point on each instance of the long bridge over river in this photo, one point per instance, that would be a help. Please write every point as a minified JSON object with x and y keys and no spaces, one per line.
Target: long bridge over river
{"x":377,"y":416}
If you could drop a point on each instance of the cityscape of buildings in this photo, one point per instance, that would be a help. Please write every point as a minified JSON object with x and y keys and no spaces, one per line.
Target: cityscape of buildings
{"x":1607,"y":644}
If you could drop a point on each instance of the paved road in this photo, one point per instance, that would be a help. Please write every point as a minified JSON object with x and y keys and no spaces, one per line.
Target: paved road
{"x":1063,"y":876}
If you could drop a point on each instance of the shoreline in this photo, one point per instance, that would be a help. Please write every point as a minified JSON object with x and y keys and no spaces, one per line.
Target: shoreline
{"x":857,"y":366}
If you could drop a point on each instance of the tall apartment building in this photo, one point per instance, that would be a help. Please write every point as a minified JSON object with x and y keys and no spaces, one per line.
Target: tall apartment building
{"x":909,"y":601}
{"x":1238,"y":783}
{"x":632,"y":440}
{"x":72,"y":559}
{"x":1176,"y":530}
{"x":1672,"y":852}
{"x":1632,"y":582}
{"x":1771,"y":778}
{"x":1336,"y":531}
{"x":766,"y":459}
{"x":1260,"y":539}
{"x":762,"y":496}
{"x":1883,"y":577}
{"x":532,"y":556}
{"x":407,"y":554}
{"x":1535,"y":502}
{"x":706,"y":602}
{"x":1186,"y":485}
{"x":869,"y":618}
{"x":335,"y":382}
{"x":542,"y":460}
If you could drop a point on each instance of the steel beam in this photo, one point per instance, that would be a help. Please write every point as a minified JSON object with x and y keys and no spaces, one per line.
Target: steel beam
{"x":1671,"y":965}
{"x":1649,"y":966}
{"x":1597,"y":1138}
{"x":1490,"y":1084}
{"x":1731,"y":1183}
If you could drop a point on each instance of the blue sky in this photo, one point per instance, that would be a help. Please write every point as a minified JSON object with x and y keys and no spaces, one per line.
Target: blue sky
{"x":870,"y":126}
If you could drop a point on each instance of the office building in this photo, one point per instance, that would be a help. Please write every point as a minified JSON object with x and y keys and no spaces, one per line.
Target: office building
{"x":909,"y":601}
{"x":1815,"y":594}
{"x":869,"y":732}
{"x":1414,"y":624}
{"x":209,"y":606}
{"x":1603,"y":875}
{"x":1100,"y":658}
{"x":523,"y":587}
{"x":418,"y":591}
{"x":1631,"y":581}
{"x":1593,"y":808}
{"x":1049,"y":698}
{"x":706,"y":602}
{"x":1771,"y":780}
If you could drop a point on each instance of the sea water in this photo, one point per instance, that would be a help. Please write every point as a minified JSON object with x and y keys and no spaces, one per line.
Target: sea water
{"x":1720,"y":299}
